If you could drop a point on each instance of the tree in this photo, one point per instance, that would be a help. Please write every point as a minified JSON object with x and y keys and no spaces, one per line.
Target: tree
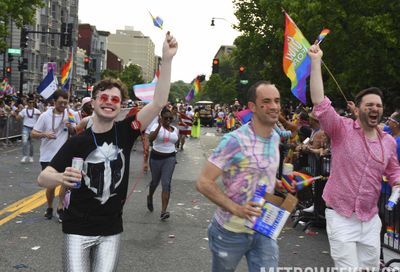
{"x":179,"y":90}
{"x":361,"y":51}
{"x":109,"y":73}
{"x":22,"y":12}
{"x":131,"y":75}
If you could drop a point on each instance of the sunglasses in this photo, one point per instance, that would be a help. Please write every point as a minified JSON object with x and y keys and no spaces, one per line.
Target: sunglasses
{"x":105,"y":97}
{"x":168,"y":118}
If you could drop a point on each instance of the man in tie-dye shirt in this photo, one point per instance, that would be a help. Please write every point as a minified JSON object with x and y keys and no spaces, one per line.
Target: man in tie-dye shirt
{"x":244,"y":158}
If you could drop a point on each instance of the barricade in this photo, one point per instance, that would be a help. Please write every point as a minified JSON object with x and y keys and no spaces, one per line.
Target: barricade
{"x":317,"y":166}
{"x":390,"y":220}
{"x":10,"y":129}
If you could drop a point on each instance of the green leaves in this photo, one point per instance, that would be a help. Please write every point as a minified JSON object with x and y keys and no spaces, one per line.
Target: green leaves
{"x":22,"y":12}
{"x":362,"y":49}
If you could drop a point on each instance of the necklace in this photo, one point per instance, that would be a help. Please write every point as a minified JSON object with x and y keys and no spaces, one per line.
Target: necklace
{"x":254,"y":142}
{"x":101,"y":151}
{"x":53,"y":118}
{"x":29,"y":115}
{"x":372,"y":153}
{"x":166,"y":138}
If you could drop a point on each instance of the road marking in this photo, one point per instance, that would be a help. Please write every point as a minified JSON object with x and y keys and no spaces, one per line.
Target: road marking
{"x":25,"y":205}
{"x":12,"y":150}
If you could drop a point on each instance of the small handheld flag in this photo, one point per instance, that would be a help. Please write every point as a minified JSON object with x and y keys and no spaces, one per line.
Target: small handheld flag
{"x":157,"y":21}
{"x":244,"y":116}
{"x":322,"y":35}
{"x":71,"y":118}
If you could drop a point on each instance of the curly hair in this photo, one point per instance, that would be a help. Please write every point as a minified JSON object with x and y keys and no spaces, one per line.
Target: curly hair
{"x":109,"y":83}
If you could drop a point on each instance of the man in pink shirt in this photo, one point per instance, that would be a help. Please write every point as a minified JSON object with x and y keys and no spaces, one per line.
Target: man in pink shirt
{"x":361,"y":155}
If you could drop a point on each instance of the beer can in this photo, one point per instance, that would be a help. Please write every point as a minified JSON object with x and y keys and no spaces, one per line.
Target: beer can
{"x":77,"y":163}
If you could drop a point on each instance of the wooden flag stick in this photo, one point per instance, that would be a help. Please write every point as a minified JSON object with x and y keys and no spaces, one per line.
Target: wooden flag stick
{"x":334,"y":79}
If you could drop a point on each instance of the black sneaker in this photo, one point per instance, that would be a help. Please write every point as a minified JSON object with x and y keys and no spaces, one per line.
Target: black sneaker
{"x":60,"y":215}
{"x":150,"y":203}
{"x":164,"y":215}
{"x":49,"y":213}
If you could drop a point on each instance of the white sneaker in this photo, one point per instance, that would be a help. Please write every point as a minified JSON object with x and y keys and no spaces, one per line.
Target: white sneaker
{"x":24,"y":158}
{"x":30,"y":159}
{"x":309,"y":209}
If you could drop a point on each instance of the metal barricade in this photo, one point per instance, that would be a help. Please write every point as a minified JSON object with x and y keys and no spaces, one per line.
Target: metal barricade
{"x":317,"y":165}
{"x":10,"y":129}
{"x":390,"y":220}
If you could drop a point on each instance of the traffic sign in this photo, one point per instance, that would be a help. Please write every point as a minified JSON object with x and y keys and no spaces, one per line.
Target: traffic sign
{"x":14,"y":51}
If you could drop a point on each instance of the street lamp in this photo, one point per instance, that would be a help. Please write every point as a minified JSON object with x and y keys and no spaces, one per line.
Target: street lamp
{"x":218,"y":18}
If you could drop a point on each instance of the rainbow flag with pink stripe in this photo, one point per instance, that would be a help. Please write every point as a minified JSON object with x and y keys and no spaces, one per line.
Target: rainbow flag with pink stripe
{"x":296,"y":62}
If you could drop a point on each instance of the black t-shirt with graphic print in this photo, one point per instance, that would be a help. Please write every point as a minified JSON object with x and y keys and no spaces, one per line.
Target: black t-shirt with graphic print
{"x":96,"y":207}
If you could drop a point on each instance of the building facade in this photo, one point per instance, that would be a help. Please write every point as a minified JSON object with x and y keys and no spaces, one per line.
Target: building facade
{"x":44,"y":48}
{"x":134,"y":48}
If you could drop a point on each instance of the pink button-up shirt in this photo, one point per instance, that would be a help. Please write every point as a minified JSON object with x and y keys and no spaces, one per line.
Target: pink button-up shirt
{"x":355,"y":180}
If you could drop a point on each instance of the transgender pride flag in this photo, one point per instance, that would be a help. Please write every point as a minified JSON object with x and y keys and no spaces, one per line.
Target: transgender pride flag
{"x":145,"y":92}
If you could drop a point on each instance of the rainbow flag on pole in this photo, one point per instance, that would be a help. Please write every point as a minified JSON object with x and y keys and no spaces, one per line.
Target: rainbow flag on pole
{"x":296,"y":62}
{"x":196,"y":88}
{"x":66,"y":74}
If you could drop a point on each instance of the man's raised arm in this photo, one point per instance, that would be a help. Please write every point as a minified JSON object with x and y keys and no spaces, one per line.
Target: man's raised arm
{"x":160,"y":99}
{"x":316,"y":83}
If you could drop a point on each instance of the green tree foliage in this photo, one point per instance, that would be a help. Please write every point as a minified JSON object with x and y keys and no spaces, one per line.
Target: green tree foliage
{"x":361,"y":51}
{"x":179,"y":90}
{"x":22,"y":12}
{"x":109,"y":73}
{"x":130,"y":75}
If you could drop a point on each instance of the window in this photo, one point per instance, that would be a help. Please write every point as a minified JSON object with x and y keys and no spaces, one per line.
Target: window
{"x":44,"y":36}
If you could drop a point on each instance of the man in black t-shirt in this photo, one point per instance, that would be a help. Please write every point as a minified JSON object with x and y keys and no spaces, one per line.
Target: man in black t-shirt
{"x":93,"y":212}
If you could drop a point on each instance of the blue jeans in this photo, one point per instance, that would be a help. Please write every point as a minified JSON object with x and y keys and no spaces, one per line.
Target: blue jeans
{"x":228,"y":248}
{"x":27,"y":146}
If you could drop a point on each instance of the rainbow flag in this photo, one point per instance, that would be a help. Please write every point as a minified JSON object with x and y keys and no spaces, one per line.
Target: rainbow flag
{"x":196,"y":88}
{"x":244,"y":116}
{"x":71,"y":118}
{"x":302,"y":180}
{"x":322,"y":35}
{"x":390,"y":231}
{"x":66,"y":74}
{"x":296,"y":62}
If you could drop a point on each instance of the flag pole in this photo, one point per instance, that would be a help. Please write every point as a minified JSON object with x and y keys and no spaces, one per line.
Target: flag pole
{"x":334,"y":79}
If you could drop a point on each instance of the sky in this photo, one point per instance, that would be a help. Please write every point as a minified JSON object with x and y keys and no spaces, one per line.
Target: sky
{"x":188,"y":20}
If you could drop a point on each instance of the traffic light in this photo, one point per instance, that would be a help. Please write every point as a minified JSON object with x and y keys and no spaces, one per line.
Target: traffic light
{"x":66,"y":34}
{"x":8,"y":71}
{"x":242,"y":75}
{"x":215,"y":66}
{"x":24,"y":38}
{"x":86,"y":61}
{"x":23,"y":65}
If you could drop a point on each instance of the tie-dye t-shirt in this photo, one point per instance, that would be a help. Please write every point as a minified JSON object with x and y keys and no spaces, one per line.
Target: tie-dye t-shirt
{"x":246,"y":160}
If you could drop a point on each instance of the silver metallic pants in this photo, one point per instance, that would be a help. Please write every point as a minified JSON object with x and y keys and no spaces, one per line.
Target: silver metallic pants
{"x":90,"y":253}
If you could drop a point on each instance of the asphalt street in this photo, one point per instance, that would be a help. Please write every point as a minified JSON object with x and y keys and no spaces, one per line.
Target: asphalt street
{"x":31,"y":243}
